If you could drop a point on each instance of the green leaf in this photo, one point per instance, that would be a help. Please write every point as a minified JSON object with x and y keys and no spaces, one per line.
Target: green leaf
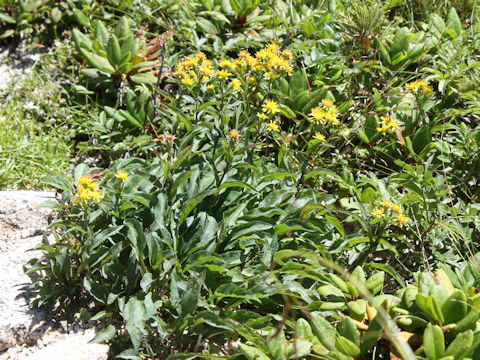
{"x":7,"y":19}
{"x":370,"y":338}
{"x":357,"y":309}
{"x":437,"y":25}
{"x":298,"y":349}
{"x":348,"y":329}
{"x":191,"y":204}
{"x":134,"y":315}
{"x":347,"y":347}
{"x":400,"y":42}
{"x":430,"y":306}
{"x":113,"y":50}
{"x":207,"y":26}
{"x":101,"y":33}
{"x":459,"y":347}
{"x":253,"y":353}
{"x":453,"y":21}
{"x":58,"y":182}
{"x":455,"y":307}
{"x":146,"y":281}
{"x":144,"y":78}
{"x":81,"y":18}
{"x":97,"y":61}
{"x":104,"y":335}
{"x":276,"y":344}
{"x":55,"y":14}
{"x":375,"y":282}
{"x":303,"y":330}
{"x":323,"y":330}
{"x":433,"y":342}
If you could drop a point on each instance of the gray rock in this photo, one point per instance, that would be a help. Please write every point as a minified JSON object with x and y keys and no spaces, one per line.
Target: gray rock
{"x":25,"y":333}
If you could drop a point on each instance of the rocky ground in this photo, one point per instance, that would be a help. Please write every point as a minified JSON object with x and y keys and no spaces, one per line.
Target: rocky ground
{"x":24,"y":333}
{"x":11,"y":67}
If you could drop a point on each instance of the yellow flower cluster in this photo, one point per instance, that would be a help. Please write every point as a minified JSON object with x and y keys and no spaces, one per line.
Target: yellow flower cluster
{"x":419,"y":85}
{"x":325,"y":113}
{"x":394,"y":209}
{"x":269,"y":62}
{"x":387,"y":124}
{"x":269,"y":108}
{"x":273,"y":62}
{"x":192,"y":68}
{"x":87,"y":190}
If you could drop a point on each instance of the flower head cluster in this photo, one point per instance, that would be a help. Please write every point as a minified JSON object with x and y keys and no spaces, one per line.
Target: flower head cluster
{"x":419,"y":86}
{"x":87,"y":190}
{"x":325,"y":113}
{"x":387,"y":124}
{"x":274,"y":62}
{"x":269,"y":63}
{"x":390,"y":210}
{"x":193,"y":68}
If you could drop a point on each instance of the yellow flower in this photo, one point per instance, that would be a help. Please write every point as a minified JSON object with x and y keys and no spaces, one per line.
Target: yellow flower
{"x":387,"y":123}
{"x":319,"y":136}
{"x":234,"y":134}
{"x":396,"y":208}
{"x":84,"y":180}
{"x":378,"y":212}
{"x":271,"y":107}
{"x":262,"y":116}
{"x":386,"y":203}
{"x":83,"y":194}
{"x":272,"y":47}
{"x":187,"y":80}
{"x":402,"y":219}
{"x":237,"y":85}
{"x":383,"y":129}
{"x":251,"y":80}
{"x":287,"y":53}
{"x":419,"y":85}
{"x":325,"y":113}
{"x":95,"y":195}
{"x":387,"y":120}
{"x":93,"y":185}
{"x":327,"y":103}
{"x":122,"y":175}
{"x":226,"y":64}
{"x":318,"y":115}
{"x":272,"y":126}
{"x":222,"y":74}
{"x":210,"y":87}
{"x":206,"y":70}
